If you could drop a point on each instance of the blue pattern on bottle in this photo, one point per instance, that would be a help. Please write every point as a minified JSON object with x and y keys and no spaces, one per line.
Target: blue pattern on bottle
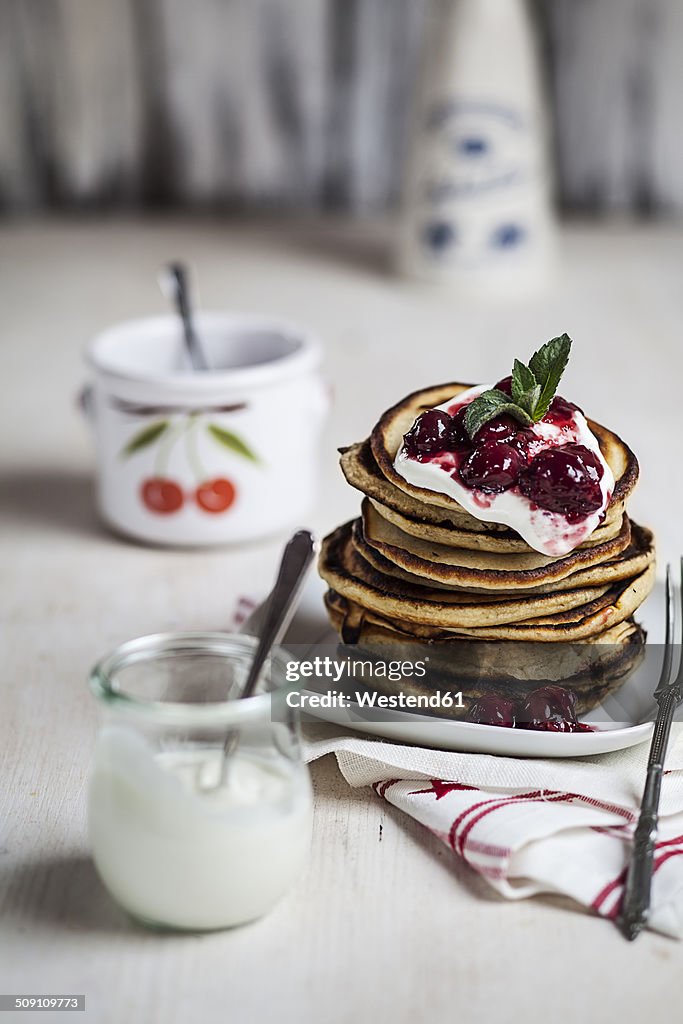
{"x":439,"y":235}
{"x":473,"y":145}
{"x":507,"y":236}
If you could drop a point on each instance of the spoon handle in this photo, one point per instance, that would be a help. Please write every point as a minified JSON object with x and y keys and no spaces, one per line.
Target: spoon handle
{"x":178,"y":274}
{"x":296,"y":559}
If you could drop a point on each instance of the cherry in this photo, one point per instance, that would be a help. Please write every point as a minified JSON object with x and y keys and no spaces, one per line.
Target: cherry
{"x":528,"y":444}
{"x":459,"y":438}
{"x":493,"y":467}
{"x":162,"y":495}
{"x":560,"y":411}
{"x":215,"y":495}
{"x":504,"y":385}
{"x":492,"y":710}
{"x":550,"y":709}
{"x":564,"y":479}
{"x":500,"y":428}
{"x":429,"y":433}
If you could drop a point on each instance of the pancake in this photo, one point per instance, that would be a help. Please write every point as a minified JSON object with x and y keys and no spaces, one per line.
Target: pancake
{"x":618,"y":604}
{"x":387,"y":436}
{"x":440,"y":621}
{"x":408,"y":558}
{"x":451,"y":536}
{"x":562,"y":620}
{"x":349,"y":574}
{"x":481,"y":569}
{"x":591,"y":669}
{"x":431,"y":522}
{"x":352,"y":622}
{"x":632,"y":561}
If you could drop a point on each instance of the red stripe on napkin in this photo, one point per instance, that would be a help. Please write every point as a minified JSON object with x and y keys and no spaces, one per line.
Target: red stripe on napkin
{"x":620,"y":880}
{"x":245,"y":606}
{"x":458,"y":840}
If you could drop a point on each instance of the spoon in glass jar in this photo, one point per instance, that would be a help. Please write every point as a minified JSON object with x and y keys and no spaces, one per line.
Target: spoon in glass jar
{"x":296,"y":560}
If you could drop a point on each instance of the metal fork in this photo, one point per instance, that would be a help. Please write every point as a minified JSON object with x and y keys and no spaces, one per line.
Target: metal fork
{"x":635,"y":909}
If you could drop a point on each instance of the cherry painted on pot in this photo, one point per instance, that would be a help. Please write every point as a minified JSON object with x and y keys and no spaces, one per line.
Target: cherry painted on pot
{"x":162,"y":495}
{"x":215,"y":495}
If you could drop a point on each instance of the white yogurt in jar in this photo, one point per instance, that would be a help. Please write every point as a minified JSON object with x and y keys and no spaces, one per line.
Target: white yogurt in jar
{"x":174,"y":854}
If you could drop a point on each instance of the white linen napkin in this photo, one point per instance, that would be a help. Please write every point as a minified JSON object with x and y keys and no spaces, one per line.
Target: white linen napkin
{"x":530,"y":826}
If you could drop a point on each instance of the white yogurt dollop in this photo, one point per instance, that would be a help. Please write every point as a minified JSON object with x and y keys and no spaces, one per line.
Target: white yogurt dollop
{"x":549,"y":533}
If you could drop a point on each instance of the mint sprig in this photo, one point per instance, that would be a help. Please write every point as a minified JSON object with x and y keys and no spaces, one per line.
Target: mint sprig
{"x":490,"y":404}
{"x":547,"y":366}
{"x":525,"y":388}
{"x":533,"y":388}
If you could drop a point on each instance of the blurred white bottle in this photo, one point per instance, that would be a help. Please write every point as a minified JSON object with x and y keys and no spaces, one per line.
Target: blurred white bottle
{"x":477,"y":209}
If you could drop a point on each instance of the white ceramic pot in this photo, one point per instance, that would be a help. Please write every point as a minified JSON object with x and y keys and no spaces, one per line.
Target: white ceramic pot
{"x":205,"y":458}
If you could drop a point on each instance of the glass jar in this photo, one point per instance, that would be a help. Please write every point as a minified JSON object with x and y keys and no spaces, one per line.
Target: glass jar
{"x":180,"y":837}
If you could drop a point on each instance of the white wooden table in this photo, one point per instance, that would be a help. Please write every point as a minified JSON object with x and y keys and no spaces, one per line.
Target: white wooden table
{"x":384,"y":926}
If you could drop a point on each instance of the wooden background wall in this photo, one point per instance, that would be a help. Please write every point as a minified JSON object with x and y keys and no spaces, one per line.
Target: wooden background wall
{"x":302,"y":103}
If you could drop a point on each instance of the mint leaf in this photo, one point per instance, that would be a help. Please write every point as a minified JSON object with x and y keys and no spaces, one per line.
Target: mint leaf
{"x":525,"y":389}
{"x":547,"y":366}
{"x":533,"y":388}
{"x":232,"y":441}
{"x":145,"y":437}
{"x":487,"y":406}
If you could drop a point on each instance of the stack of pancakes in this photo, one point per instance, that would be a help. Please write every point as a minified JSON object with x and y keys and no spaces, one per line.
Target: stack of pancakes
{"x":416,"y":567}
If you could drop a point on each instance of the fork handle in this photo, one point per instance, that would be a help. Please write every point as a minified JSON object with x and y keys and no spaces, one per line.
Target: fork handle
{"x":636,"y":905}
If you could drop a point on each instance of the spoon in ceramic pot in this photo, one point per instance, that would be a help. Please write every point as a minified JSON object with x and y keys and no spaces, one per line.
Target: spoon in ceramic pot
{"x":296,"y":560}
{"x":174,"y":284}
